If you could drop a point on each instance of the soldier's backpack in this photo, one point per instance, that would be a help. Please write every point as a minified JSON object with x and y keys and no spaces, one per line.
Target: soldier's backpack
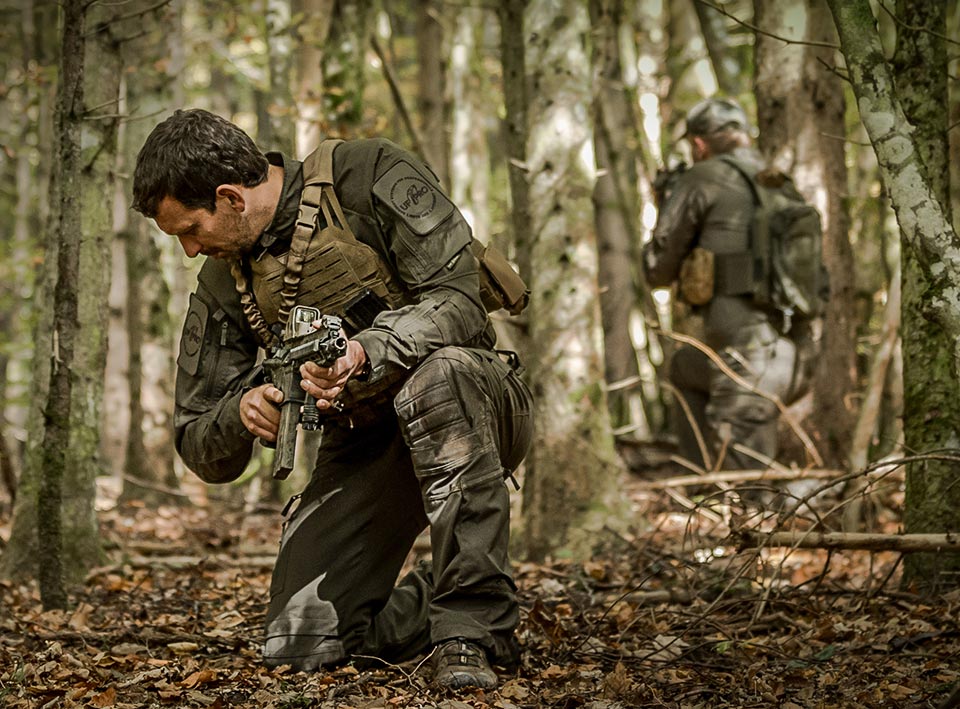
{"x":783,"y":269}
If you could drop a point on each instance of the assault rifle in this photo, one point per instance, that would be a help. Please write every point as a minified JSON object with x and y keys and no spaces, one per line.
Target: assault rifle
{"x":666,"y":180}
{"x":301,"y":343}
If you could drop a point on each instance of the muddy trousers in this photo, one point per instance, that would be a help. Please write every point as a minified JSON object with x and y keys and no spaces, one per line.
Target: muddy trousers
{"x":721,"y":411}
{"x":460,"y":423}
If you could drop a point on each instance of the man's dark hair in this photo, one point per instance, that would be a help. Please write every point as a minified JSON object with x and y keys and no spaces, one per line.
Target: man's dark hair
{"x":188,"y":156}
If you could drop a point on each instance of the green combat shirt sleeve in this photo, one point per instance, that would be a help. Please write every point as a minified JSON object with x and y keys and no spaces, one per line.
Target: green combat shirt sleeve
{"x":216,"y":356}
{"x":427,"y":240}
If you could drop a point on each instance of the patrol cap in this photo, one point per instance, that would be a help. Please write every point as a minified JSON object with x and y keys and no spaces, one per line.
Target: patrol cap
{"x":712,"y":114}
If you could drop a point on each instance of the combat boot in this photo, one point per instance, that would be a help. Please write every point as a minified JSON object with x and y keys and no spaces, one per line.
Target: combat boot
{"x":459,"y":663}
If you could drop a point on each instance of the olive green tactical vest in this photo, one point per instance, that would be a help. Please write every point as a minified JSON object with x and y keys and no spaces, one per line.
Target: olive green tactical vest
{"x":325,"y":266}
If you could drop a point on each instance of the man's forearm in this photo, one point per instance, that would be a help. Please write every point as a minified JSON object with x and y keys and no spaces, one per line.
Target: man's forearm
{"x":403,"y":338}
{"x":214,"y":444}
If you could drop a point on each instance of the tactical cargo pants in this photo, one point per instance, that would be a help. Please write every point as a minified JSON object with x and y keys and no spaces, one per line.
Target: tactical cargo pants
{"x":722,"y":410}
{"x":461,"y":422}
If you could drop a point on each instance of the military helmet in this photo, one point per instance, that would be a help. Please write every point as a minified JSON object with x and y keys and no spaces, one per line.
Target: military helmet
{"x":713,"y":114}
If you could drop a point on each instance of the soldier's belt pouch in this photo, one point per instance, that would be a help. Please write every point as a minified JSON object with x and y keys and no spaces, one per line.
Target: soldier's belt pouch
{"x":697,"y":277}
{"x":500,"y":285}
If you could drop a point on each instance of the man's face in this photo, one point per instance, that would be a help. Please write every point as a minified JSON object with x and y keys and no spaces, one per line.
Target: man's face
{"x":223,"y":233}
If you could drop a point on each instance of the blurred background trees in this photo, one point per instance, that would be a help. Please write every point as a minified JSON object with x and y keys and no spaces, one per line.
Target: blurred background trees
{"x":546,"y":122}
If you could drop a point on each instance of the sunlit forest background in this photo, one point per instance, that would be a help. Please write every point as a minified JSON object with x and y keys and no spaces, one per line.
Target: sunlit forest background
{"x":546,"y":121}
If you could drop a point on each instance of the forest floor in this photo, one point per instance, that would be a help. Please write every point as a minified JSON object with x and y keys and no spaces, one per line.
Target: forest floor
{"x":670,"y":614}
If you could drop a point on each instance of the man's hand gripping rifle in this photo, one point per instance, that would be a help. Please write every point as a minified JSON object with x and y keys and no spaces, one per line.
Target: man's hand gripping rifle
{"x":301,"y":343}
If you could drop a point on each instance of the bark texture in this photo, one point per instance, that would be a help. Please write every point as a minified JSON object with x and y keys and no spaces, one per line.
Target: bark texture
{"x":722,"y":56}
{"x":571,"y":469}
{"x":617,"y":216}
{"x":470,"y":114}
{"x":515,"y":89}
{"x":800,"y":113}
{"x":311,"y":32}
{"x":71,"y":343}
{"x":57,"y":408}
{"x":931,"y":391}
{"x":431,"y":88}
{"x":99,"y":169}
{"x":931,"y":262}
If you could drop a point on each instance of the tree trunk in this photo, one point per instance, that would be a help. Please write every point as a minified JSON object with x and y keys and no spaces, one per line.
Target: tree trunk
{"x":470,"y":113}
{"x":800,"y":112}
{"x":779,"y":78}
{"x":58,"y":405}
{"x":344,"y":62}
{"x":953,"y":30}
{"x":313,"y":30}
{"x":617,"y":218}
{"x":513,"y":60}
{"x":99,"y":163}
{"x":20,"y":557}
{"x":144,"y":333}
{"x":930,"y":252}
{"x":722,"y":55}
{"x":18,"y":208}
{"x":281,"y":131}
{"x":931,"y":391}
{"x":824,"y":182}
{"x":75,"y":337}
{"x":571,"y":470}
{"x":431,"y":88}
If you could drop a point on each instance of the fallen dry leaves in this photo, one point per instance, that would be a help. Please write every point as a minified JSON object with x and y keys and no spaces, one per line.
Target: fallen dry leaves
{"x":669,"y":614}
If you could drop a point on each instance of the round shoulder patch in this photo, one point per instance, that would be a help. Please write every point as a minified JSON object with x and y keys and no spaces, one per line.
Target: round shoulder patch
{"x":413,"y":198}
{"x":191,"y":338}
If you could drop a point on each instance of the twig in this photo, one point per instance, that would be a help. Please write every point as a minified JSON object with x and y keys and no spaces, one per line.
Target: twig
{"x":915,"y":28}
{"x":870,"y":408}
{"x":691,"y":419}
{"x":408,"y":676}
{"x":761,"y":458}
{"x":397,"y":96}
{"x":949,"y":542}
{"x":186,"y":562}
{"x":733,"y":476}
{"x":120,"y":18}
{"x":689,"y":504}
{"x":157,"y":487}
{"x":756,"y":29}
{"x":722,"y":366}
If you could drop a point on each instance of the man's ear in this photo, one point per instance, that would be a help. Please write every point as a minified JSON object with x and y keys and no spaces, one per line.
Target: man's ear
{"x":233,"y":195}
{"x":701,"y":151}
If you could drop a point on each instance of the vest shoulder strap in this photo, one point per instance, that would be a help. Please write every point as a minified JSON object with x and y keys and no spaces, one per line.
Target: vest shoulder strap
{"x":318,"y":165}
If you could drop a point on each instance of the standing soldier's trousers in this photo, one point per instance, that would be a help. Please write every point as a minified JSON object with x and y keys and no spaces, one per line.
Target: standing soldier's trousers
{"x":723,"y":411}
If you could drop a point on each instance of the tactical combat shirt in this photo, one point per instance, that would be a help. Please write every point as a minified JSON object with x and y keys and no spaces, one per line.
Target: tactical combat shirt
{"x":393,"y":204}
